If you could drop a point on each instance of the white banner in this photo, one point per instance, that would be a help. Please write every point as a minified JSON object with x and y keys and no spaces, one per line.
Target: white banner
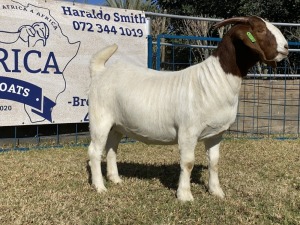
{"x":45,"y":49}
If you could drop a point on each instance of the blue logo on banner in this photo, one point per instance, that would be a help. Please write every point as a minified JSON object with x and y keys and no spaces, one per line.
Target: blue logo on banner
{"x":28,"y":94}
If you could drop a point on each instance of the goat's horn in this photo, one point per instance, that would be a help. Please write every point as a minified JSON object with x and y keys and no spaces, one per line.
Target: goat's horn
{"x":231,"y":21}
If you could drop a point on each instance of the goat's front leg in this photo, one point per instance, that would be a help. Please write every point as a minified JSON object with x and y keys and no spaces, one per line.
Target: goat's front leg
{"x":187,"y":159}
{"x":212,"y":147}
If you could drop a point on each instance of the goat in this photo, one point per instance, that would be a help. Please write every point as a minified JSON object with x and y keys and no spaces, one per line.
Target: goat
{"x":182,"y":107}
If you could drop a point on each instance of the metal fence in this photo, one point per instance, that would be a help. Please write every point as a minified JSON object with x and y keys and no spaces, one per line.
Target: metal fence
{"x":42,"y":136}
{"x":269,"y":100}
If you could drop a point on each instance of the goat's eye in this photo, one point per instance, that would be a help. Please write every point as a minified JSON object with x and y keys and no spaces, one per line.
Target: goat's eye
{"x":261,"y":31}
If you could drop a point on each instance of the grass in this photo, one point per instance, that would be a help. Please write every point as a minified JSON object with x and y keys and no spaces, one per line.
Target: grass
{"x":261,"y":180}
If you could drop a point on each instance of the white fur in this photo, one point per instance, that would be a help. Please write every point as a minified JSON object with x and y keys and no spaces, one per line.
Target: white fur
{"x":162,"y":108}
{"x":197,"y":103}
{"x":281,"y":42}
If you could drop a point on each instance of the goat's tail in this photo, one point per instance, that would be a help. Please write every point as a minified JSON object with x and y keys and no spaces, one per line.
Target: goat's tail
{"x":99,"y":59}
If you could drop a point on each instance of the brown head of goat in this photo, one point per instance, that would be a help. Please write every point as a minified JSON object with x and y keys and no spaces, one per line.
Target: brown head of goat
{"x":250,"y":40}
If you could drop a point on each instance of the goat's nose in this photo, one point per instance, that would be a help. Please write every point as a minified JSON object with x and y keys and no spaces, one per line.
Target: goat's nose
{"x":286,"y":47}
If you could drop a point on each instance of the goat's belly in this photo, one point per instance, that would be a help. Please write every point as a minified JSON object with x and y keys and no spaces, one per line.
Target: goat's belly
{"x":153,"y":136}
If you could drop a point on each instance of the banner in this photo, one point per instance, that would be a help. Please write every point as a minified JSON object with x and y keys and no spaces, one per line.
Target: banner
{"x":45,"y":50}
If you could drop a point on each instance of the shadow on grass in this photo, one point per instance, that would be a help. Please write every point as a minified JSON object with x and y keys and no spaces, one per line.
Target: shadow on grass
{"x":167,"y":174}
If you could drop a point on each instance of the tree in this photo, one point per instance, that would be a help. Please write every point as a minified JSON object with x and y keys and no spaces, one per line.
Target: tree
{"x":145,"y":5}
{"x":274,"y":10}
{"x":286,"y":11}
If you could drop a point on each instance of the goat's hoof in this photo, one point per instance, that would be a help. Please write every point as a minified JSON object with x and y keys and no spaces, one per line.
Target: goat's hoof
{"x":185,"y":196}
{"x":100,"y":189}
{"x":218,"y":192}
{"x":115,"y":179}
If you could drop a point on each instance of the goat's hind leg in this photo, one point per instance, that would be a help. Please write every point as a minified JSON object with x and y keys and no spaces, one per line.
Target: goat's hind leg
{"x":111,"y":148}
{"x":99,"y":136}
{"x":212,"y":147}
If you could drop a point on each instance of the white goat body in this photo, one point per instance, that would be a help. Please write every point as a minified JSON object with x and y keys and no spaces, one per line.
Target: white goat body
{"x":197,"y":103}
{"x":152,"y":106}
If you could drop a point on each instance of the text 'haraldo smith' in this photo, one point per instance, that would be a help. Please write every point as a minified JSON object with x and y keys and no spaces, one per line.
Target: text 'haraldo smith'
{"x":99,"y":14}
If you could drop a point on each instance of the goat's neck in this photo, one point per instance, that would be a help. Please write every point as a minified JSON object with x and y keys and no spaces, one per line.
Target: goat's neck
{"x":209,"y":81}
{"x":235,"y":58}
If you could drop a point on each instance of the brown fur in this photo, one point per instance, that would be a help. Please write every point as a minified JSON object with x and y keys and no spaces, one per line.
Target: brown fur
{"x":237,"y":53}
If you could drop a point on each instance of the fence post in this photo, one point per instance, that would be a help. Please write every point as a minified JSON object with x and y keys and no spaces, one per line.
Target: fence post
{"x":158,"y":51}
{"x":150,"y":52}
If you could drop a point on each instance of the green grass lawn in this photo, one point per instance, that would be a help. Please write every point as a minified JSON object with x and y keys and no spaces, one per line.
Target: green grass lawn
{"x":261,"y":180}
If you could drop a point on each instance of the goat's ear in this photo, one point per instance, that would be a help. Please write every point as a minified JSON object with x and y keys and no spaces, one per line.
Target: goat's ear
{"x":250,"y":41}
